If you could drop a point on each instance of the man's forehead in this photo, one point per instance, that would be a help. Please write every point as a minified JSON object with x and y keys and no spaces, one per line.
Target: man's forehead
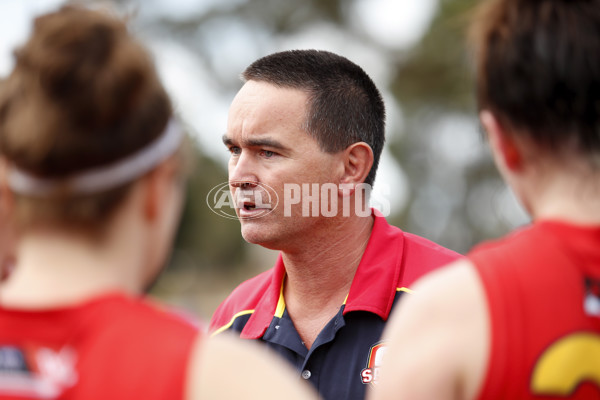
{"x":264,"y":109}
{"x":260,"y":92}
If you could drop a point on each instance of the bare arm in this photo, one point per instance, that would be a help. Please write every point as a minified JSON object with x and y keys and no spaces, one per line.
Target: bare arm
{"x":225,"y":367}
{"x":437,"y":339}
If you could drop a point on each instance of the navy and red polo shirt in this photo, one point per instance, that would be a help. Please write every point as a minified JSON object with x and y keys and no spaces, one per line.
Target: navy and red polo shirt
{"x":345,"y":357}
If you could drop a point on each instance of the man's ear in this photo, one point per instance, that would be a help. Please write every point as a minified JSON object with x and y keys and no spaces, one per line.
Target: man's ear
{"x":358,"y":160}
{"x":504,"y":147}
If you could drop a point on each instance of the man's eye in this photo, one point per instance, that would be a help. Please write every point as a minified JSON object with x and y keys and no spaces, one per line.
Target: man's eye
{"x":235,"y":150}
{"x":268,"y":153}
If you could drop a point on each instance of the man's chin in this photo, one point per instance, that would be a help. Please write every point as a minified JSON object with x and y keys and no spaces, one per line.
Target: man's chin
{"x":253,"y":237}
{"x":258,"y":236}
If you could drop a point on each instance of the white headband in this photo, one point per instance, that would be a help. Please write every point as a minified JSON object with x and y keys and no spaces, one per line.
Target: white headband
{"x":102,"y":177}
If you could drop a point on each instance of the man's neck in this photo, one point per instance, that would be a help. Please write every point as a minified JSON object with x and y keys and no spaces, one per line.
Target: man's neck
{"x":319,"y":278}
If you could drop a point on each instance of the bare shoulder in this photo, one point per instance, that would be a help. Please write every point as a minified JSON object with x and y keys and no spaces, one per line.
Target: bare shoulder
{"x":452,"y":289}
{"x":226,"y":367}
{"x":437,"y":338}
{"x":448,"y":297}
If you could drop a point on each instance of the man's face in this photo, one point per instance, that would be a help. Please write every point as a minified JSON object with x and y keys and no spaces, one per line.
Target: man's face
{"x":270,"y":148}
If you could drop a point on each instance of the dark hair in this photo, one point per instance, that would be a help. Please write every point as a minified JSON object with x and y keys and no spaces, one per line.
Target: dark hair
{"x":83,"y":93}
{"x":345,"y":106}
{"x":538,"y":64}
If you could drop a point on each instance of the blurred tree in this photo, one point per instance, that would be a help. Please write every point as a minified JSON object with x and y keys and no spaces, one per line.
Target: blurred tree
{"x":433,"y":81}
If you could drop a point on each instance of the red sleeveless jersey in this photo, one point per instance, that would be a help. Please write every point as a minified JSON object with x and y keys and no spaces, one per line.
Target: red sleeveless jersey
{"x":543,"y":292}
{"x":111,"y":347}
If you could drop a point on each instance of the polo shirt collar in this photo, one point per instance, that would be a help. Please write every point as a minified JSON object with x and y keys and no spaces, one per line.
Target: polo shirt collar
{"x":267,"y":306}
{"x":376,"y":280}
{"x":373,"y":288}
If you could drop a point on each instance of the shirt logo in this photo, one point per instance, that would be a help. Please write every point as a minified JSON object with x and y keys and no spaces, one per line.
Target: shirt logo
{"x":591,"y":304}
{"x":370,"y":374}
{"x":40,"y":373}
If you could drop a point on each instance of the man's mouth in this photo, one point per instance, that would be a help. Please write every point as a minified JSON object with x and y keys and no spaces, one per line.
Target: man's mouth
{"x":248,"y":206}
{"x":253,"y":202}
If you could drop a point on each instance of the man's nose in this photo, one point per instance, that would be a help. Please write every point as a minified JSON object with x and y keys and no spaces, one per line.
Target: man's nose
{"x":243,"y":173}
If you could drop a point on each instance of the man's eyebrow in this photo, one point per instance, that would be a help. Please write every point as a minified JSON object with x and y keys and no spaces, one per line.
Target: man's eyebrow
{"x":227,"y":141}
{"x":258,"y":142}
{"x":265,"y":142}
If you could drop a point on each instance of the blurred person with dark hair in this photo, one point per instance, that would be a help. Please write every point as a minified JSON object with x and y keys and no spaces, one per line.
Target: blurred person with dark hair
{"x":308,"y":128}
{"x":96,"y":178}
{"x":520,"y":317}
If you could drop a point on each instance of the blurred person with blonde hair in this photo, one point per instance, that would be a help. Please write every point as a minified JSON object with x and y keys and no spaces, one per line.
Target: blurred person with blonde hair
{"x":520,"y":317}
{"x":95,"y":175}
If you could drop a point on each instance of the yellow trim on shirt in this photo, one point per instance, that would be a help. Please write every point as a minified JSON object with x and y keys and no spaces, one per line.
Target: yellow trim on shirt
{"x":225,"y":327}
{"x":400,"y":289}
{"x":280,"y":304}
{"x":281,"y":308}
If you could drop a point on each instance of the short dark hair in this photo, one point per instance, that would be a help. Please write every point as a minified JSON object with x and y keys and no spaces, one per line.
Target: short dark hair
{"x":538,"y":68}
{"x":345,"y":106}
